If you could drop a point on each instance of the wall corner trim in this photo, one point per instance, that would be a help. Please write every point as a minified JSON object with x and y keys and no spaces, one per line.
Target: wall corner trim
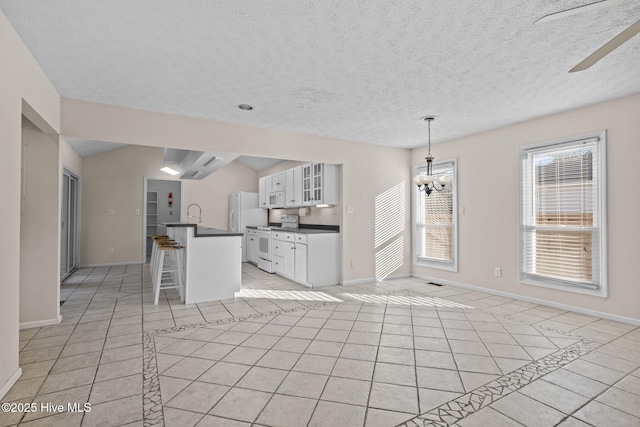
{"x":7,"y":386}
{"x":40,"y":323}
{"x":609,"y":316}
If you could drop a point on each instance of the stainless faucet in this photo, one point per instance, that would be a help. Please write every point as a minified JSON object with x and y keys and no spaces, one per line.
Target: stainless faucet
{"x":192,"y":216}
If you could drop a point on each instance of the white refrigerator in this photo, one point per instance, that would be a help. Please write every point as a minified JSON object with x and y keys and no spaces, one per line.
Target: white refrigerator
{"x":244,"y":211}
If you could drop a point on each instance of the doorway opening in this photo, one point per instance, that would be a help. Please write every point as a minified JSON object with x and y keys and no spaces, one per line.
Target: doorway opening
{"x":162,"y":203}
{"x":69,"y":224}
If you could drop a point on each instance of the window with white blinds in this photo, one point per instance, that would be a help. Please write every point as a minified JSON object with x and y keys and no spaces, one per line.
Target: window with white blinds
{"x":562,"y":214}
{"x":435,"y":222}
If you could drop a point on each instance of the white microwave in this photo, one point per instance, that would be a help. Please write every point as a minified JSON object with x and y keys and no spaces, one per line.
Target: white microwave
{"x":276,"y":199}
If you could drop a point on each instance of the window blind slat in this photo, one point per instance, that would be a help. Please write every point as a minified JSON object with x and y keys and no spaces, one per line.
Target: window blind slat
{"x":559,"y":204}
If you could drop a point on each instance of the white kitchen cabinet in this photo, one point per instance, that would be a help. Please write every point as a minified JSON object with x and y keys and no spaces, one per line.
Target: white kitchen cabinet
{"x":320,"y":184}
{"x":278,"y":248}
{"x":300,"y":273}
{"x":309,"y":259}
{"x":293,"y":187}
{"x":278,"y":265}
{"x":290,"y":256}
{"x":307,"y":189}
{"x":278,"y":182}
{"x":307,"y":185}
{"x":252,"y":246}
{"x":269,"y":185}
{"x":262,"y":192}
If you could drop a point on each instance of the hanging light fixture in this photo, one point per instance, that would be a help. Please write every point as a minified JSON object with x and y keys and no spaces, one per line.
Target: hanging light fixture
{"x":425,"y":180}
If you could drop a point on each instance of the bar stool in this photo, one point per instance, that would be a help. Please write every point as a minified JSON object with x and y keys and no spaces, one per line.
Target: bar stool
{"x":168,"y":274}
{"x":160,"y":238}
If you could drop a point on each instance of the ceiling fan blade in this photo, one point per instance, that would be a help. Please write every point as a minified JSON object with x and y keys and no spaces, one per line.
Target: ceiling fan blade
{"x":607,"y":48}
{"x":576,"y":10}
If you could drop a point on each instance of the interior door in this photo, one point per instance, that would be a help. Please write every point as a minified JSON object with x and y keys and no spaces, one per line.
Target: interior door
{"x":68,"y":225}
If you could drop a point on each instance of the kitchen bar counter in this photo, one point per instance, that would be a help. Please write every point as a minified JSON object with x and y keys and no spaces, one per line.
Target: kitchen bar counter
{"x":201,"y":231}
{"x":212,"y":267}
{"x":302,"y":230}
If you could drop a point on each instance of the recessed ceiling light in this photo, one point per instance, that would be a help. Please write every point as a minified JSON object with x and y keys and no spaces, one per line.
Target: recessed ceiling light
{"x":169,"y":171}
{"x":245,"y":107}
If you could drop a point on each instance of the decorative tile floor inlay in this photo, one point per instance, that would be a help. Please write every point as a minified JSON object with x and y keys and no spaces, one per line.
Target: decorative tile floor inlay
{"x":397,"y":352}
{"x":461,"y":407}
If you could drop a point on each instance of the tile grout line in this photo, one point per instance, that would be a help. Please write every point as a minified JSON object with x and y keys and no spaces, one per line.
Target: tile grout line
{"x":436,"y":412}
{"x":150,"y":364}
{"x":62,"y":349}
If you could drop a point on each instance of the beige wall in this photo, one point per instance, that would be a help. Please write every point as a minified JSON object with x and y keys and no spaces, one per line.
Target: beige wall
{"x":212,"y":192}
{"x":488,"y":190}
{"x":115,"y":180}
{"x":367,"y":170}
{"x":39,"y":229}
{"x":21,"y":79}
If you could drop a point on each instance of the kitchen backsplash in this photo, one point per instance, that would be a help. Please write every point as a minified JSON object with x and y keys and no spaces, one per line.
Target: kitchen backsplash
{"x":324,"y":216}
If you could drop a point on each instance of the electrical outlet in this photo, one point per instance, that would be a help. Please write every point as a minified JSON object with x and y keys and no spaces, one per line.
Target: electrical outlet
{"x":137,"y":211}
{"x":111,"y":211}
{"x":353,"y":263}
{"x":349,"y":209}
{"x":111,"y":250}
{"x":498,"y":272}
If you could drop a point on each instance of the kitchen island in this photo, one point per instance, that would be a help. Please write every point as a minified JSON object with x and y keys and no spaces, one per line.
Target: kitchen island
{"x":212,"y":261}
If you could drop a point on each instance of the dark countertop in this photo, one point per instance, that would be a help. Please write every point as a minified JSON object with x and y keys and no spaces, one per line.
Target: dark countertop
{"x":300,"y":230}
{"x":201,"y":231}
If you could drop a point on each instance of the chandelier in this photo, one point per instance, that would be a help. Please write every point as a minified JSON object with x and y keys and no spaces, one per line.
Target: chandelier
{"x":425,"y":180}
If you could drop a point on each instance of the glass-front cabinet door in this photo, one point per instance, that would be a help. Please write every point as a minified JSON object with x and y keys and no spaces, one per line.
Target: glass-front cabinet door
{"x":307,"y":180}
{"x":317,"y":183}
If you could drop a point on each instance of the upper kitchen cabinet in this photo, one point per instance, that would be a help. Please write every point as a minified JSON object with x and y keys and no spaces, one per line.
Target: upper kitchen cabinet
{"x":269,"y":185}
{"x":320,"y":184}
{"x":262,"y":192}
{"x":278,"y":182}
{"x":311,"y":184}
{"x":293,"y":187}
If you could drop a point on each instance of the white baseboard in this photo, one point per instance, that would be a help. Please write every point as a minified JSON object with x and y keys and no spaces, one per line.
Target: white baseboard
{"x":111,"y":264}
{"x":40,"y":323}
{"x":396,"y":276}
{"x":357,"y":281}
{"x":7,"y":386}
{"x":554,"y":304}
{"x":373,"y":279}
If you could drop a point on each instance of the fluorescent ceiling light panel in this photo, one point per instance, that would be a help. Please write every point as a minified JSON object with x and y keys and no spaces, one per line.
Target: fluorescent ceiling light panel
{"x":170,"y":171}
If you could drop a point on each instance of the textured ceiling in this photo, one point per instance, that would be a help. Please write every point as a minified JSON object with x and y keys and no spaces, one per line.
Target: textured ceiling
{"x":357,"y":70}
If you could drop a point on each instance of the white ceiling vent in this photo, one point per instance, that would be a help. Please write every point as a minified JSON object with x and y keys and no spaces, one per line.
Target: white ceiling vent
{"x":197,"y":164}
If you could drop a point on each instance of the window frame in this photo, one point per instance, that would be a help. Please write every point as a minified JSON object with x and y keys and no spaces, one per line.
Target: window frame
{"x":601,"y":257}
{"x":417,"y":198}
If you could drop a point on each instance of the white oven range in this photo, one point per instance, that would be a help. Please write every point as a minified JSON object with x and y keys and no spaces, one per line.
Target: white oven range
{"x":264,"y":249}
{"x":289,"y":223}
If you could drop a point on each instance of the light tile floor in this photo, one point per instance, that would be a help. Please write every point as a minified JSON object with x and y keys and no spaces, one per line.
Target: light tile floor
{"x":398,"y":352}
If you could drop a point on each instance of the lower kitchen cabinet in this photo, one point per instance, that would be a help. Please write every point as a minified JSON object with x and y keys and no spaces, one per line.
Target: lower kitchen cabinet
{"x":252,"y":245}
{"x":278,"y":264}
{"x":289,"y":259}
{"x":301,"y":269}
{"x":309,"y":259}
